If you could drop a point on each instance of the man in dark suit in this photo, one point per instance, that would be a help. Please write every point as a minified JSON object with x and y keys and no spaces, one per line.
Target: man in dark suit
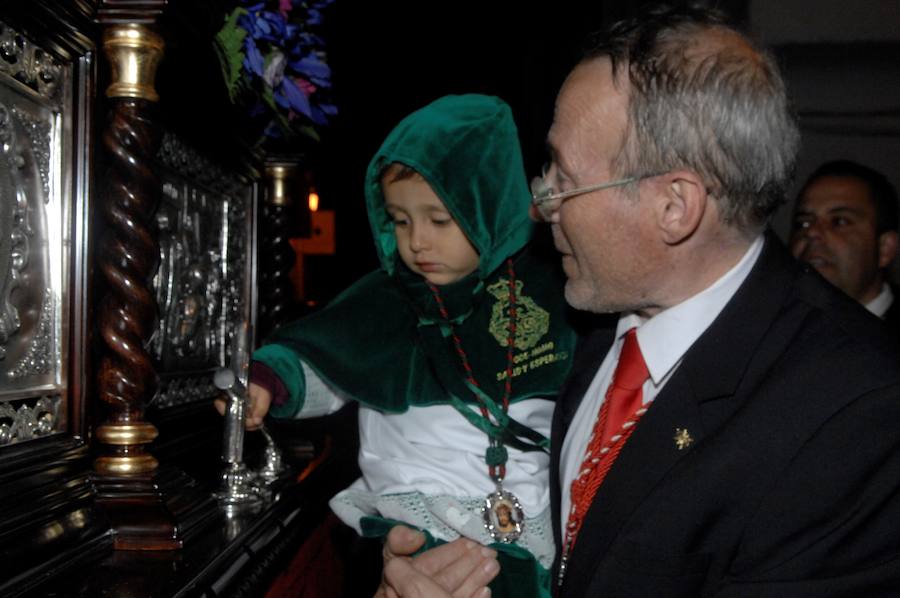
{"x":733,"y":429}
{"x":845,"y":226}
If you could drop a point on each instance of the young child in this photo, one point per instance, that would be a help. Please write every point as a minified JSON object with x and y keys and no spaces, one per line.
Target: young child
{"x":455,"y":348}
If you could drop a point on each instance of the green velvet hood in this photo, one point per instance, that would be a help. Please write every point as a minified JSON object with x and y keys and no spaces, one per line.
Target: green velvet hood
{"x":383,"y":341}
{"x":467,"y":148}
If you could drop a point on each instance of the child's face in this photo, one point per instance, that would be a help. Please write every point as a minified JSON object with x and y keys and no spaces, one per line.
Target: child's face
{"x":430,"y":242}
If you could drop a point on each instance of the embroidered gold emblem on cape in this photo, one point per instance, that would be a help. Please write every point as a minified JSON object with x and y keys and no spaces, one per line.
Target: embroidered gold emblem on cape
{"x":532,"y":321}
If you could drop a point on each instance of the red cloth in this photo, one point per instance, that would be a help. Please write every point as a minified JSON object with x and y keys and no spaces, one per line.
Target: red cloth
{"x":316,"y":571}
{"x":618,"y":415}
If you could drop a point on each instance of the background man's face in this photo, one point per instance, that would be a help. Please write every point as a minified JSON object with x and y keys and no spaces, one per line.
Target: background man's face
{"x":835,"y":231}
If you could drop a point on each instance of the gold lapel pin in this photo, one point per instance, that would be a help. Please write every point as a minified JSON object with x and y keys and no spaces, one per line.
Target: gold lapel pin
{"x":682,"y":438}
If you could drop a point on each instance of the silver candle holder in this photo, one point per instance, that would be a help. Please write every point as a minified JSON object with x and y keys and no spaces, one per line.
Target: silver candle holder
{"x":242,"y":487}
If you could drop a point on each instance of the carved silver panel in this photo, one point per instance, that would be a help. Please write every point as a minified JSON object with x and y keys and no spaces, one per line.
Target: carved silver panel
{"x":30,"y":64}
{"x":28,"y":419}
{"x":202,"y":286}
{"x":35,"y":221}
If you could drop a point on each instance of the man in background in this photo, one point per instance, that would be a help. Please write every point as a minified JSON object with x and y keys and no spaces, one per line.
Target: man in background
{"x":845,"y":226}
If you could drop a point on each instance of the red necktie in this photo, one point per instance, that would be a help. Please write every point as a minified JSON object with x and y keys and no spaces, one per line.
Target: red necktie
{"x":621,"y":409}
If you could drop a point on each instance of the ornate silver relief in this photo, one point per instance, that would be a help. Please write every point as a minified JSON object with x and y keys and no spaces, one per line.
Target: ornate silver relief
{"x":14,"y":229}
{"x":29,"y":418}
{"x":199,"y":170}
{"x":38,"y":133}
{"x":179,"y":390}
{"x":29,"y":63}
{"x":41,"y":356}
{"x":201,"y":285}
{"x":36,"y":170}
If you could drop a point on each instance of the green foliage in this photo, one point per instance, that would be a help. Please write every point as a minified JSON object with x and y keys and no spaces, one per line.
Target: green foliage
{"x":229,"y":41}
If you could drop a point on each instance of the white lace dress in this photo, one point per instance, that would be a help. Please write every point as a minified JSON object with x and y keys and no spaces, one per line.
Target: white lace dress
{"x":426,"y":467}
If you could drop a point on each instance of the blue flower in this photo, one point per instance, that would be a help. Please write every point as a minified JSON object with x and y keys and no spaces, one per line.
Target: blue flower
{"x":315,"y":70}
{"x":274,"y":61}
{"x":295,"y":98}
{"x":317,"y":116}
{"x":276,"y":23}
{"x":313,"y":17}
{"x":253,"y":60}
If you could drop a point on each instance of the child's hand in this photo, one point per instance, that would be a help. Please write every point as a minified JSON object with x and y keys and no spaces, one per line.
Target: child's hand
{"x":260,"y":401}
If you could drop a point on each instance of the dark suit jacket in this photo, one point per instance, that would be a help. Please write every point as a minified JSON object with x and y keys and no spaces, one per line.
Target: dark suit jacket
{"x":791,"y":486}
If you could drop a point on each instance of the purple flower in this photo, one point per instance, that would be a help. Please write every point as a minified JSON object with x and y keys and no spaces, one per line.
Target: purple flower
{"x":305,"y":86}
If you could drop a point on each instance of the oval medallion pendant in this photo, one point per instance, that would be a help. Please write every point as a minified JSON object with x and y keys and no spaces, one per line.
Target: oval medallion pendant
{"x":503,"y":517}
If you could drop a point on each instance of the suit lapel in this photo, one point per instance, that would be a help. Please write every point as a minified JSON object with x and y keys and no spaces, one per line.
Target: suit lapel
{"x":710,"y":373}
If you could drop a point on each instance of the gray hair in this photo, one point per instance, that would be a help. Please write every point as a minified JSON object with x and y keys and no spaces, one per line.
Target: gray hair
{"x":705,"y":98}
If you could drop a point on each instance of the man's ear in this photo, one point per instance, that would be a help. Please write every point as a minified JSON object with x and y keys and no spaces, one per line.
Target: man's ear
{"x":887,"y":248}
{"x":681,"y":206}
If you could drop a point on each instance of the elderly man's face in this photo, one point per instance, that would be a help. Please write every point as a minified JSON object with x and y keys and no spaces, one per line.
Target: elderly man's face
{"x":604,"y":236}
{"x":835,"y":231}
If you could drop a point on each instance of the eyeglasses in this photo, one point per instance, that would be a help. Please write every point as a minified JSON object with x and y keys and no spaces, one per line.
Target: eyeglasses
{"x":547,"y":201}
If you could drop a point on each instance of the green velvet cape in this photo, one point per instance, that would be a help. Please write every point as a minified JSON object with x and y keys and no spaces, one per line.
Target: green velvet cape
{"x":383,"y":342}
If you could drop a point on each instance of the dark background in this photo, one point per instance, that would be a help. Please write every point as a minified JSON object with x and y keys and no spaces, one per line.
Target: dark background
{"x":389,"y":59}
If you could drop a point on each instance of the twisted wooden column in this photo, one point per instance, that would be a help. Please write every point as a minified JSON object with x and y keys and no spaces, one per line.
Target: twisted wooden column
{"x":143,"y":504}
{"x":276,"y":254}
{"x":128,"y":253}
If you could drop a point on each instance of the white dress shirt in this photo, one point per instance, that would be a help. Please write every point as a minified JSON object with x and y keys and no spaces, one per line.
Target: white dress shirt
{"x":663,"y":339}
{"x":881,"y":303}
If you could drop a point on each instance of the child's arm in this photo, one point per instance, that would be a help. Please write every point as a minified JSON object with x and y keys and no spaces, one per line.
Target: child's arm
{"x":267,"y":391}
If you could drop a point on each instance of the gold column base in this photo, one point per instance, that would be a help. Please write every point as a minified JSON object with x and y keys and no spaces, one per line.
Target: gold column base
{"x":128,"y":465}
{"x":132,"y":435}
{"x":126,"y":434}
